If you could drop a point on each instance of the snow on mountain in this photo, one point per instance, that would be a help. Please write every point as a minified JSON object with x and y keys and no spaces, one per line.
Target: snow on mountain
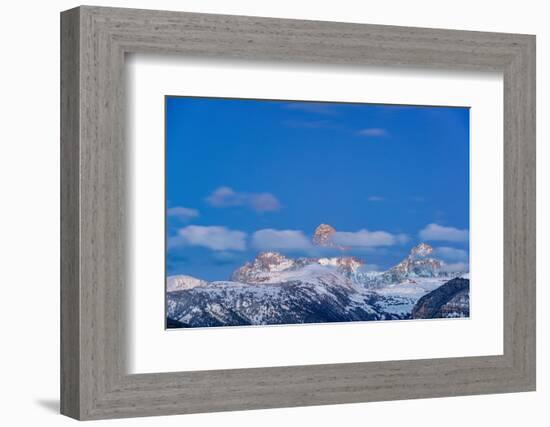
{"x":273,"y":267}
{"x":449,"y":300}
{"x":276,"y":289}
{"x":418,"y":264}
{"x":347,"y":264}
{"x":263,"y":268}
{"x":182,"y":281}
{"x":308,"y":298}
{"x":421,"y":251}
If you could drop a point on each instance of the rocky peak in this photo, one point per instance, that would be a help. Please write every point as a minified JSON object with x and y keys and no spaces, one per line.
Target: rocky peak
{"x":426,"y":267}
{"x":417,"y":264}
{"x":322,"y":237}
{"x":259,"y":270}
{"x":421,"y":251}
{"x":272,"y":261}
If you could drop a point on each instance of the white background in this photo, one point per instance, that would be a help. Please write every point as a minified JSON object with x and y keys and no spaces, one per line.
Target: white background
{"x":29,"y":176}
{"x":150,"y":78}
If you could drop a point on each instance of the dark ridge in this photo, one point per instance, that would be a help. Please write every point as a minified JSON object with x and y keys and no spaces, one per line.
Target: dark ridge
{"x":449,"y":300}
{"x":173,"y":323}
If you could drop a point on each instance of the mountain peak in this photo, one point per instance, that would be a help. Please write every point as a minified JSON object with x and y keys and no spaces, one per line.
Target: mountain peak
{"x":417,"y":264}
{"x":261,"y":268}
{"x":322,"y":237}
{"x":271,"y":260}
{"x":422,"y":250}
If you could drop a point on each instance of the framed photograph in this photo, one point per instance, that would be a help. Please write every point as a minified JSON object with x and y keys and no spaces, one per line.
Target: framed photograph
{"x":303,"y":212}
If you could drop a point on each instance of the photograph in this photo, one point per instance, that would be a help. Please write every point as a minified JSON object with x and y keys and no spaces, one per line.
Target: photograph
{"x":257,"y":209}
{"x":282,"y":212}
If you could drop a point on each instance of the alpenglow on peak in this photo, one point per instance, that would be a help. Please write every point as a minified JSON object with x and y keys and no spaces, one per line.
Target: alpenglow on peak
{"x":322,"y":237}
{"x":422,"y":250}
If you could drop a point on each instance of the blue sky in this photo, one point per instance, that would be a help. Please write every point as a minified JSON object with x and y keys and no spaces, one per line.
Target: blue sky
{"x":250,"y":175}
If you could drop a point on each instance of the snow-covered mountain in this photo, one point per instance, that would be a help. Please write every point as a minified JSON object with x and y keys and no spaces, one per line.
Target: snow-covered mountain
{"x":276,"y":289}
{"x":313,"y":299}
{"x":449,"y":300}
{"x":182,"y":282}
{"x":419,"y":264}
{"x":273,"y":267}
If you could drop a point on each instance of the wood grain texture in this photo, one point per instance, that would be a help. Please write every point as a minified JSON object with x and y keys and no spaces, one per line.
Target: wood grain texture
{"x":70,"y":296}
{"x":94,"y":235}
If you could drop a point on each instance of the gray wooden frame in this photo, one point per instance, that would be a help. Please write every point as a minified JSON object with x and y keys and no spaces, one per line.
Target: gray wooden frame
{"x":94,"y":41}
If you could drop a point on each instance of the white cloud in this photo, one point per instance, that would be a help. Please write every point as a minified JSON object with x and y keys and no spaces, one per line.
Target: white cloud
{"x":439,"y":232}
{"x":270,"y":239}
{"x":451,"y":254}
{"x":366,"y":238}
{"x":263,"y":202}
{"x":456,"y":267}
{"x":376,"y":199}
{"x":224,"y":197}
{"x":184,"y":214}
{"x":376,"y":132}
{"x":212,"y":237}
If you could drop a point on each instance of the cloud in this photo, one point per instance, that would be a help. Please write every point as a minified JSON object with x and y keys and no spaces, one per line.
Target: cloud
{"x":212,"y":237}
{"x":451,"y":254}
{"x":312,"y":107}
{"x":439,"y":232}
{"x":270,"y":239}
{"x":456,"y":267}
{"x":263,"y":202}
{"x":366,"y":238}
{"x":376,"y":132}
{"x":376,"y":199}
{"x":184,"y":214}
{"x":224,"y":197}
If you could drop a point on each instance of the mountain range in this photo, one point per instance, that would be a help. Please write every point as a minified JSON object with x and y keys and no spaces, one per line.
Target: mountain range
{"x":276,"y":289}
